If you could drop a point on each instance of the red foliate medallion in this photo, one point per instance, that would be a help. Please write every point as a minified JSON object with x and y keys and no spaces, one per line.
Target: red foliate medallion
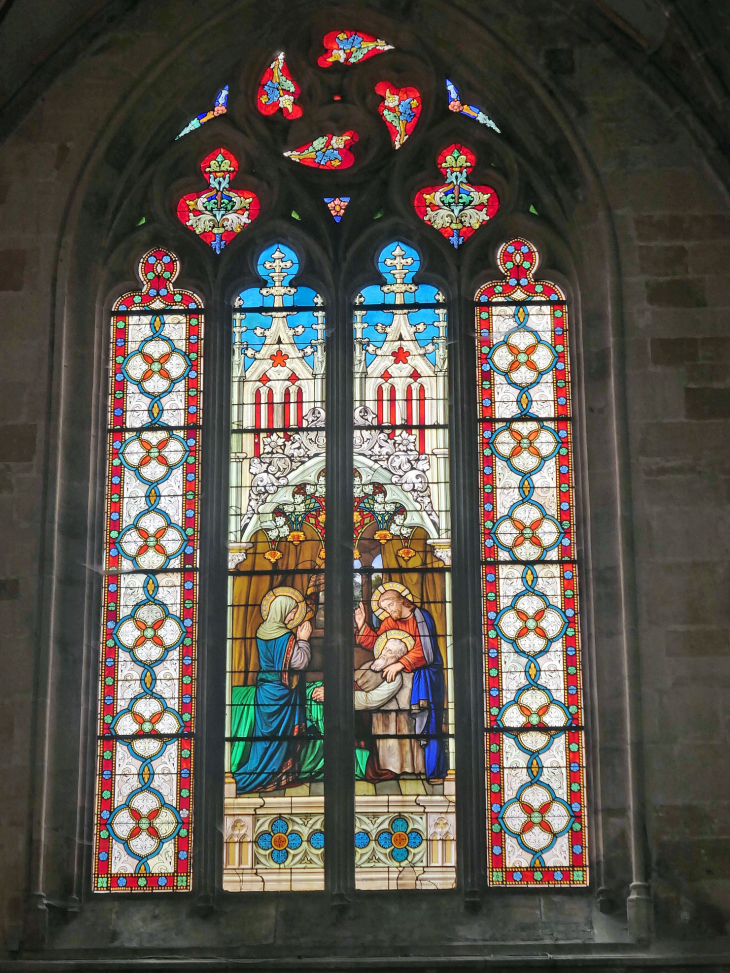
{"x":326,"y":152}
{"x":400,"y":109}
{"x":350,"y":47}
{"x":219,"y":213}
{"x":278,"y":90}
{"x":456,"y":208}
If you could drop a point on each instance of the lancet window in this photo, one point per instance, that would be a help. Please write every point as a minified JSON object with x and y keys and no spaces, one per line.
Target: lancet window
{"x":274,"y":803}
{"x":535,"y":724}
{"x":403,"y":658}
{"x":143,"y":833}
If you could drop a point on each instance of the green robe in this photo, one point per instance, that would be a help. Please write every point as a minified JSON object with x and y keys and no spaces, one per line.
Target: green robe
{"x":312,"y":754}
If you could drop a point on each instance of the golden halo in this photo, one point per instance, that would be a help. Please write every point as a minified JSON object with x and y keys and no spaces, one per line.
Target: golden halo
{"x":393,"y":633}
{"x":388,"y":586}
{"x":303,"y":610}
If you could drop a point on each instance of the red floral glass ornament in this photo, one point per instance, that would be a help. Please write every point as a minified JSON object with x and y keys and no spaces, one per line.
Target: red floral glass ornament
{"x":400,"y":109}
{"x":219,"y":213}
{"x":350,"y":47}
{"x":456,"y":208}
{"x":326,"y":152}
{"x":278,"y":90}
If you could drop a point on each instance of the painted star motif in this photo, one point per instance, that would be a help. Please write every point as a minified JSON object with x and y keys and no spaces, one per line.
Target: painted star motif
{"x":279,"y":358}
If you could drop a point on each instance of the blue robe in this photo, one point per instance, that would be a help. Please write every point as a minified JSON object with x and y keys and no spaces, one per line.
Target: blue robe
{"x":279,"y":716}
{"x":427,"y":698}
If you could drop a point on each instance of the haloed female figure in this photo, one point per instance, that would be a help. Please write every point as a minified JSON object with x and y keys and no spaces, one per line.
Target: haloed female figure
{"x":279,"y":701}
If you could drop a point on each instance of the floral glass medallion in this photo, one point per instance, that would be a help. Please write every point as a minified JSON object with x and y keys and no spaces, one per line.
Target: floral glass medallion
{"x":456,"y":208}
{"x":278,"y":90}
{"x":350,"y":47}
{"x":400,"y":109}
{"x":219,"y":213}
{"x":337,"y":206}
{"x":219,"y":108}
{"x":326,"y":152}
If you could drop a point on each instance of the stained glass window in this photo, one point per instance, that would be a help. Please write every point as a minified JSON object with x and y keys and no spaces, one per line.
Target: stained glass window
{"x":400,"y":109}
{"x":220,"y":212}
{"x":535,"y":727}
{"x":278,"y":90}
{"x":405,"y":786}
{"x":143,"y":832}
{"x":326,"y":152}
{"x":350,"y":47}
{"x":219,"y":108}
{"x":389,"y":654}
{"x":274,"y":791}
{"x":456,"y":208}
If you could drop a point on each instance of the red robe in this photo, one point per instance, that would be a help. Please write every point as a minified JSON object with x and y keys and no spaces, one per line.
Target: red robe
{"x":414,"y":659}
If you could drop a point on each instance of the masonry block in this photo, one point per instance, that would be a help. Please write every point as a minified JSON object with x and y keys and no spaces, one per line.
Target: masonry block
{"x":708,"y":374}
{"x":17,"y":443}
{"x":684,"y":292}
{"x":663,"y":261}
{"x":692,"y":820}
{"x":9,"y":589}
{"x":712,"y":259}
{"x":707,"y":403}
{"x":693,"y":594}
{"x":674,"y":351}
{"x":670,"y":227}
{"x":12,"y":269}
{"x":696,"y":859}
{"x":698,"y":642}
{"x":714,"y":349}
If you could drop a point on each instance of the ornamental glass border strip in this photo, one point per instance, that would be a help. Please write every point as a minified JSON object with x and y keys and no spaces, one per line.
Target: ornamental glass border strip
{"x":535,"y":741}
{"x":143,"y":807}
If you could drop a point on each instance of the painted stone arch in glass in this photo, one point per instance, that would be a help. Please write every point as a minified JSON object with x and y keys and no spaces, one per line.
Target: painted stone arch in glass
{"x":403,"y":688}
{"x":143,"y":826}
{"x":274,"y":788}
{"x":534,"y":704}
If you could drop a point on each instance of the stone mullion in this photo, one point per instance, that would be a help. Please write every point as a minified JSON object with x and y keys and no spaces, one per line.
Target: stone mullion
{"x":339,"y":714}
{"x":468,"y":642}
{"x":213,"y":602}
